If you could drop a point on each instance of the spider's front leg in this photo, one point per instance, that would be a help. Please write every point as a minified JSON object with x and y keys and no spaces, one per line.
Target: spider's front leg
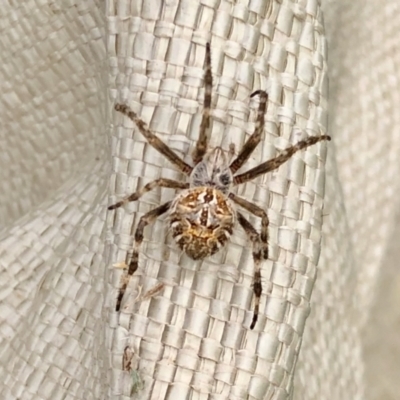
{"x":276,"y":162}
{"x":202,"y":142}
{"x":145,"y":220}
{"x":256,"y":241}
{"x":253,"y":141}
{"x":153,"y":140}
{"x":162,"y":182}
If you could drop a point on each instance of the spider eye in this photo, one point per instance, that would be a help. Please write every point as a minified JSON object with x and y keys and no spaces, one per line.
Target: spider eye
{"x":224,"y":179}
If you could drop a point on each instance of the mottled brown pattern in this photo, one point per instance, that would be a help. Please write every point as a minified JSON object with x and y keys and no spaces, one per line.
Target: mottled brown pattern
{"x":202,"y":216}
{"x":202,"y":221}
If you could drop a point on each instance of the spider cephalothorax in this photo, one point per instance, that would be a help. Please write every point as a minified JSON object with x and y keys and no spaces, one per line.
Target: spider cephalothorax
{"x":202,"y":216}
{"x":213,"y":171}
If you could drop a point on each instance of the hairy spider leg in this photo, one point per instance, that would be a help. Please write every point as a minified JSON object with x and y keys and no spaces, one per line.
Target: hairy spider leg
{"x":276,"y":162}
{"x":162,"y":182}
{"x":153,"y":140}
{"x":256,"y":242}
{"x":202,"y":142}
{"x":258,"y":212}
{"x":253,"y":141}
{"x":145,"y":220}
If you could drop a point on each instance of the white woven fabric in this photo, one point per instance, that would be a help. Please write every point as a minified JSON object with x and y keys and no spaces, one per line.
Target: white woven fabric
{"x":66,"y":155}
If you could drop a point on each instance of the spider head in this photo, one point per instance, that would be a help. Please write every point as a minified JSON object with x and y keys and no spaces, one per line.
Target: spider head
{"x":213,"y":171}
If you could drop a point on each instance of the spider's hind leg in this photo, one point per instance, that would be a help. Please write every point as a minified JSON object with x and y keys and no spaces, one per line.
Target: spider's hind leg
{"x":258,"y":212}
{"x":257,"y":287}
{"x":145,"y":220}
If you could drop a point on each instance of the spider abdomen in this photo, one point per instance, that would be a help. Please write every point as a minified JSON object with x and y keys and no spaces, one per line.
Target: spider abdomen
{"x":201,"y":221}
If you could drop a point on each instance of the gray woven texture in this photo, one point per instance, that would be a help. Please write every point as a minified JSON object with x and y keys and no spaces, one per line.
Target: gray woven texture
{"x":183,"y":329}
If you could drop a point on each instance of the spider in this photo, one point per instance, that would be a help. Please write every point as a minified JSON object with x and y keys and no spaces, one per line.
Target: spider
{"x":203,"y":214}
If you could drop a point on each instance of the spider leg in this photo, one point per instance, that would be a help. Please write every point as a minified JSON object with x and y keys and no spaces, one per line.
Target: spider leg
{"x":162,"y":182}
{"x":274,"y":163}
{"x":145,"y":220}
{"x":259,"y":212}
{"x":253,"y":141}
{"x":257,"y":287}
{"x":201,"y":145}
{"x":153,"y":140}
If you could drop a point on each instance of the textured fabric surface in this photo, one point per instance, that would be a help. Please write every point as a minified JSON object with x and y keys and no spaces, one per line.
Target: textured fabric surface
{"x":183,"y":332}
